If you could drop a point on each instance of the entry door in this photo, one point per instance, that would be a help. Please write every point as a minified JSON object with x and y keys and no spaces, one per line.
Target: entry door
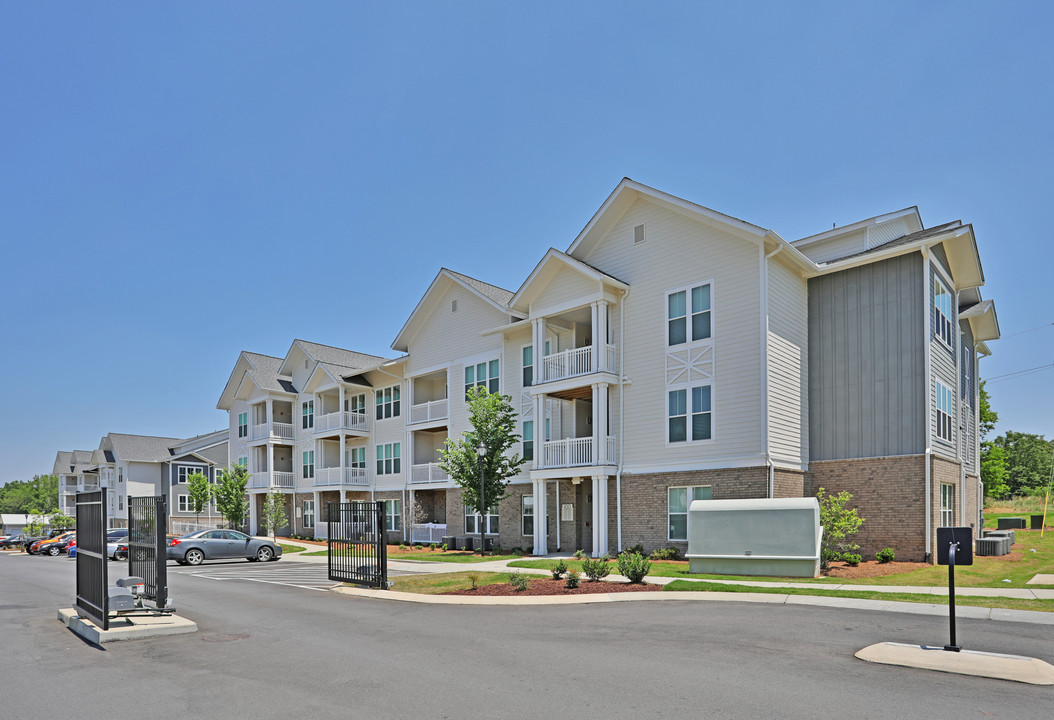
{"x":584,"y":520}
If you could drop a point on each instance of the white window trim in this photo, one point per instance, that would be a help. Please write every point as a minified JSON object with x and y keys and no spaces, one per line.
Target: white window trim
{"x":307,"y":414}
{"x":948,"y":415}
{"x":947,"y":342}
{"x":183,"y":503}
{"x":305,"y":514}
{"x":305,"y":466}
{"x":688,"y":329}
{"x":475,"y":381}
{"x":533,"y":366}
{"x":524,"y":515}
{"x":687,"y":387}
{"x":950,"y":509}
{"x":688,"y":497}
{"x":392,"y":458}
{"x":394,"y":410}
{"x":492,"y":512}
{"x":393,"y":517}
{"x":190,"y":470}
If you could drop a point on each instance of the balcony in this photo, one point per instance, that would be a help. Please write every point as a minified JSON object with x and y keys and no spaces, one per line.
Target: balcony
{"x":336,"y":477}
{"x":427,"y":473}
{"x":429,"y":411}
{"x":427,"y":532}
{"x":575,"y":362}
{"x":265,"y":431}
{"x":346,"y":420}
{"x":574,"y":452}
{"x":266,"y":480}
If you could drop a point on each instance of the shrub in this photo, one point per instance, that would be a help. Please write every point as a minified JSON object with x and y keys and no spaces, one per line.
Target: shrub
{"x":579,"y":554}
{"x":670,"y":553}
{"x":634,"y":566}
{"x":635,"y":549}
{"x":839,"y":523}
{"x":559,"y":569}
{"x":885,"y":555}
{"x":852,"y":559}
{"x":473,"y":580}
{"x":595,"y":570}
{"x":433,"y":546}
{"x":572,"y":579}
{"x":519,"y":581}
{"x":444,"y":547}
{"x":402,"y":546}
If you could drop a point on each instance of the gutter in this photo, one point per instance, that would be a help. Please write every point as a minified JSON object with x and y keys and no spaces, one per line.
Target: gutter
{"x":765,"y":365}
{"x":621,"y":417}
{"x":925,"y":249}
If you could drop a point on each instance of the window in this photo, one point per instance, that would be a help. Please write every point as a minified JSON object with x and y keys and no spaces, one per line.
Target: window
{"x":183,"y":503}
{"x":484,"y":374}
{"x":947,"y":505}
{"x":120,"y":502}
{"x":309,"y":513}
{"x":388,"y":402}
{"x":966,"y":380}
{"x":700,"y":410}
{"x":942,"y":312}
{"x":120,"y":475}
{"x":528,"y":366}
{"x":678,"y":315}
{"x":355,"y":404}
{"x":244,"y":462}
{"x":528,"y":440}
{"x":308,"y":414}
{"x":309,"y":464}
{"x":185,"y":471}
{"x":393,"y":515}
{"x":527,"y":515}
{"x":679,"y":500}
{"x":357,"y":457}
{"x":943,"y":401}
{"x":472,"y":521}
{"x":243,"y":424}
{"x":388,"y":459}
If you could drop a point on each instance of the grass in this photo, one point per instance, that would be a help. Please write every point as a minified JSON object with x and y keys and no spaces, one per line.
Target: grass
{"x":286,"y":549}
{"x":446,"y":582}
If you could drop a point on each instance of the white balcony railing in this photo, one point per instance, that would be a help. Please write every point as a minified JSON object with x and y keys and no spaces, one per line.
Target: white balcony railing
{"x":345,"y":420}
{"x":273,"y":429}
{"x":426,"y":412}
{"x":329,"y":477}
{"x":428,"y":473}
{"x":571,"y":452}
{"x":427,"y":532}
{"x":268,"y":480}
{"x":579,"y":361}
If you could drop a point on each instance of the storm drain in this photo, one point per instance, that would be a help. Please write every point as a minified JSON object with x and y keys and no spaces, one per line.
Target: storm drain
{"x":224,"y":637}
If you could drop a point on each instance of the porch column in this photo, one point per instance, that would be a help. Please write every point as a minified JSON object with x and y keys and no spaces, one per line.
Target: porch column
{"x":270,"y":465}
{"x":317,"y":497}
{"x":538,"y":341}
{"x":600,"y":515}
{"x":599,"y":424}
{"x":540,"y":542}
{"x":270,"y":412}
{"x":600,"y":336}
{"x":253,"y":520}
{"x":539,"y":430}
{"x":594,"y":330}
{"x":340,"y":403}
{"x":343,"y":450}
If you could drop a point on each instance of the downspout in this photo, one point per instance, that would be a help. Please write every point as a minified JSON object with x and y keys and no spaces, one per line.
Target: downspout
{"x":959,"y":448}
{"x":765,"y":364}
{"x":557,"y":523}
{"x":621,"y":415}
{"x":928,"y":395}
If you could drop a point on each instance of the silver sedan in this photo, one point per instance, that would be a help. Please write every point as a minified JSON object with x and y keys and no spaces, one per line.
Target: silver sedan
{"x":196,"y":547}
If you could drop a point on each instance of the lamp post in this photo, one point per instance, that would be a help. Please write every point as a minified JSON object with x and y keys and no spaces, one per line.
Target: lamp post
{"x":481,"y":452}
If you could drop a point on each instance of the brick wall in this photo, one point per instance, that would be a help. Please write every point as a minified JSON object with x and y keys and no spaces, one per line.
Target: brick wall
{"x":788,"y":483}
{"x":888,"y":492}
{"x":972,"y":489}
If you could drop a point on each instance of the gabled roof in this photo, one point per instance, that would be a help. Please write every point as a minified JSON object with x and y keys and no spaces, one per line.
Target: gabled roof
{"x":910,"y":213}
{"x":329,"y":354}
{"x":261,"y":370}
{"x":338,"y":374}
{"x":541,"y":275}
{"x":902,"y":240}
{"x":63,"y":463}
{"x":983,"y":321}
{"x":81,"y":460}
{"x":142,"y":448}
{"x":493,"y":295}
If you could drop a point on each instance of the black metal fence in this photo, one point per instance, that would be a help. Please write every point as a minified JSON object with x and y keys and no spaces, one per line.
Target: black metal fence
{"x":358,"y":550}
{"x":92,"y":598}
{"x":147,"y":546}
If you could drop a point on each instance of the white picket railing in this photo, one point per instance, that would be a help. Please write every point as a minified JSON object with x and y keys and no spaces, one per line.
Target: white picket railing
{"x":328,"y":477}
{"x":284,"y":479}
{"x":274,"y":429}
{"x":269,"y":480}
{"x":571,"y":452}
{"x":345,"y":420}
{"x":578,"y":361}
{"x":428,"y":473}
{"x":427,"y":532}
{"x":426,"y":412}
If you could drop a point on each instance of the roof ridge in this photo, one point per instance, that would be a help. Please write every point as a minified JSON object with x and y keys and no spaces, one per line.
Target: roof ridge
{"x":334,"y":347}
{"x":476,"y":279}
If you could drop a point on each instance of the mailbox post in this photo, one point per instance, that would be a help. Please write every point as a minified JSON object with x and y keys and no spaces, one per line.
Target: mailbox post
{"x":954,"y":547}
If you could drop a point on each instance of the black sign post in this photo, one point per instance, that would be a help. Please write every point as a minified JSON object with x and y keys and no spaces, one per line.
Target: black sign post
{"x":954,"y":547}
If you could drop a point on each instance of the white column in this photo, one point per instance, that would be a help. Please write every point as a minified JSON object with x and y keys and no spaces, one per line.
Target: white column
{"x":252,"y":514}
{"x":600,"y":515}
{"x":317,"y":496}
{"x":540,"y":543}
{"x":270,"y":413}
{"x":539,"y":430}
{"x":600,"y":335}
{"x":270,"y":463}
{"x":594,"y":329}
{"x":340,"y":404}
{"x":598,"y":435}
{"x":538,"y":327}
{"x":600,"y":423}
{"x":343,"y":450}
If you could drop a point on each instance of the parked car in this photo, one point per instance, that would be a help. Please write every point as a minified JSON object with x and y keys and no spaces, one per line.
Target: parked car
{"x":195,"y":547}
{"x":54,"y":546}
{"x":15,"y":540}
{"x":71,"y":549}
{"x":117,"y":549}
{"x":51,"y":534}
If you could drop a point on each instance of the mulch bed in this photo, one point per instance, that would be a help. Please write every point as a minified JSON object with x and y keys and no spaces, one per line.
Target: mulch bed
{"x":548,"y":586}
{"x":871,"y":569}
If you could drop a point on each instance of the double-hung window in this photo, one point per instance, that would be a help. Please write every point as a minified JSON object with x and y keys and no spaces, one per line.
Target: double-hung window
{"x":472,"y":521}
{"x":243,"y":424}
{"x":355,"y":404}
{"x":309,"y":513}
{"x":679,"y":500}
{"x":357,"y":458}
{"x":388,"y":402}
{"x":528,"y":366}
{"x":393,"y":515}
{"x":688,"y":315}
{"x":942,"y":313}
{"x":690,"y":414}
{"x":183,"y":473}
{"x":528,"y":440}
{"x":947,"y":505}
{"x":943,"y":401}
{"x":183,"y":503}
{"x":307,"y":414}
{"x":389,"y":460}
{"x":485,"y":375}
{"x":244,"y":462}
{"x":527,"y":515}
{"x":309,"y":464}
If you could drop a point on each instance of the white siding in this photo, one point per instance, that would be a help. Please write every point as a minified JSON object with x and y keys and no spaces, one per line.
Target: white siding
{"x":788,"y":371}
{"x":944,"y":367}
{"x":568,"y":287}
{"x":836,"y":247}
{"x":678,"y":252}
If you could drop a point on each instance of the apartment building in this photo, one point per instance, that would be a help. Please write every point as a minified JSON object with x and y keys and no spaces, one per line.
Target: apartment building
{"x":671,"y":353}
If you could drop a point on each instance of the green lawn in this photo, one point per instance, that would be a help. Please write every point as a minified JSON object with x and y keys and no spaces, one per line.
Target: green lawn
{"x":446,"y":582}
{"x":286,"y":549}
{"x":451,"y":556}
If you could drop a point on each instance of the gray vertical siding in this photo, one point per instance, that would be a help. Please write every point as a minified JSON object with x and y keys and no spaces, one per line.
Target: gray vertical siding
{"x":967,"y":356}
{"x":943,"y":363}
{"x":867,"y":380}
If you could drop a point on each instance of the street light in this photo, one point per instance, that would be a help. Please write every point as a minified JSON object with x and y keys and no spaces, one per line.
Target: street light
{"x":481,"y":452}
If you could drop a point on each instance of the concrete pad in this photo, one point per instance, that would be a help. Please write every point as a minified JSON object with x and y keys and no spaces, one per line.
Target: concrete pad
{"x":967,"y":662}
{"x":1041,"y":579}
{"x":125,"y":628}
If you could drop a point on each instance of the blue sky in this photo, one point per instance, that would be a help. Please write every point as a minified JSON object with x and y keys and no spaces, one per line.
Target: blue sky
{"x":179,"y":182}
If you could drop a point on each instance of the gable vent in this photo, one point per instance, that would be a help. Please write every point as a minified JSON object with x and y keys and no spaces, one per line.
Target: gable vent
{"x":638,"y":234}
{"x":453,"y":306}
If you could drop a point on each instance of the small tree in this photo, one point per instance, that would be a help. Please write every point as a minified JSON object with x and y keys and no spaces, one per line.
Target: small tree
{"x":229,"y":494}
{"x":493,"y":422}
{"x":839,"y":523}
{"x":274,"y":514}
{"x":61,"y":521}
{"x":200,"y":494}
{"x":415,"y":515}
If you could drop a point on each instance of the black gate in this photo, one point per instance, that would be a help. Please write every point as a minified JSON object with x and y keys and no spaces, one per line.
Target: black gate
{"x":358,"y":550}
{"x":148,"y":547}
{"x":92,"y":600}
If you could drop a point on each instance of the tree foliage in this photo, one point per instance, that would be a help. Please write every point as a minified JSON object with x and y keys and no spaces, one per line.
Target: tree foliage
{"x":1028,"y":461}
{"x":199,"y":492}
{"x":274,"y":514}
{"x":993,"y":470}
{"x":39,"y":495}
{"x":61,"y":521}
{"x":229,"y":493}
{"x":987,"y":416}
{"x":493,"y":422}
{"x":839,"y":522}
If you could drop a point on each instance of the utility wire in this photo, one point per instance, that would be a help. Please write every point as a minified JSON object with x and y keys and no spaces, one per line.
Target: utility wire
{"x":1022,"y":332}
{"x":1020,"y":373}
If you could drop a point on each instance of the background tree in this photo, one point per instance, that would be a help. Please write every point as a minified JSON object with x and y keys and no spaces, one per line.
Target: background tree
{"x":229,"y":494}
{"x":23,"y":496}
{"x":274,"y":514}
{"x":839,"y":522}
{"x":493,"y":423}
{"x":61,"y":521}
{"x":993,"y":457}
{"x":1028,"y":461}
{"x":200,"y":494}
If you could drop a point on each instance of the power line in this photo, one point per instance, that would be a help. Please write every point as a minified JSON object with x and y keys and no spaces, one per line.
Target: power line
{"x":1022,"y":332}
{"x":1020,"y":373}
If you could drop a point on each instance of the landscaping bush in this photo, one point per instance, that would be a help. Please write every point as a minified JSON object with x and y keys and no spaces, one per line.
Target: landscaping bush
{"x":519,"y":581}
{"x":635,"y":549}
{"x":852,"y":559}
{"x":885,"y":555}
{"x":670,"y":553}
{"x":433,"y":546}
{"x":473,"y":580}
{"x":839,"y":523}
{"x":634,"y":566}
{"x":444,"y":547}
{"x":579,"y":554}
{"x":572,"y":579}
{"x":559,"y":569}
{"x":595,"y":569}
{"x":402,"y":546}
